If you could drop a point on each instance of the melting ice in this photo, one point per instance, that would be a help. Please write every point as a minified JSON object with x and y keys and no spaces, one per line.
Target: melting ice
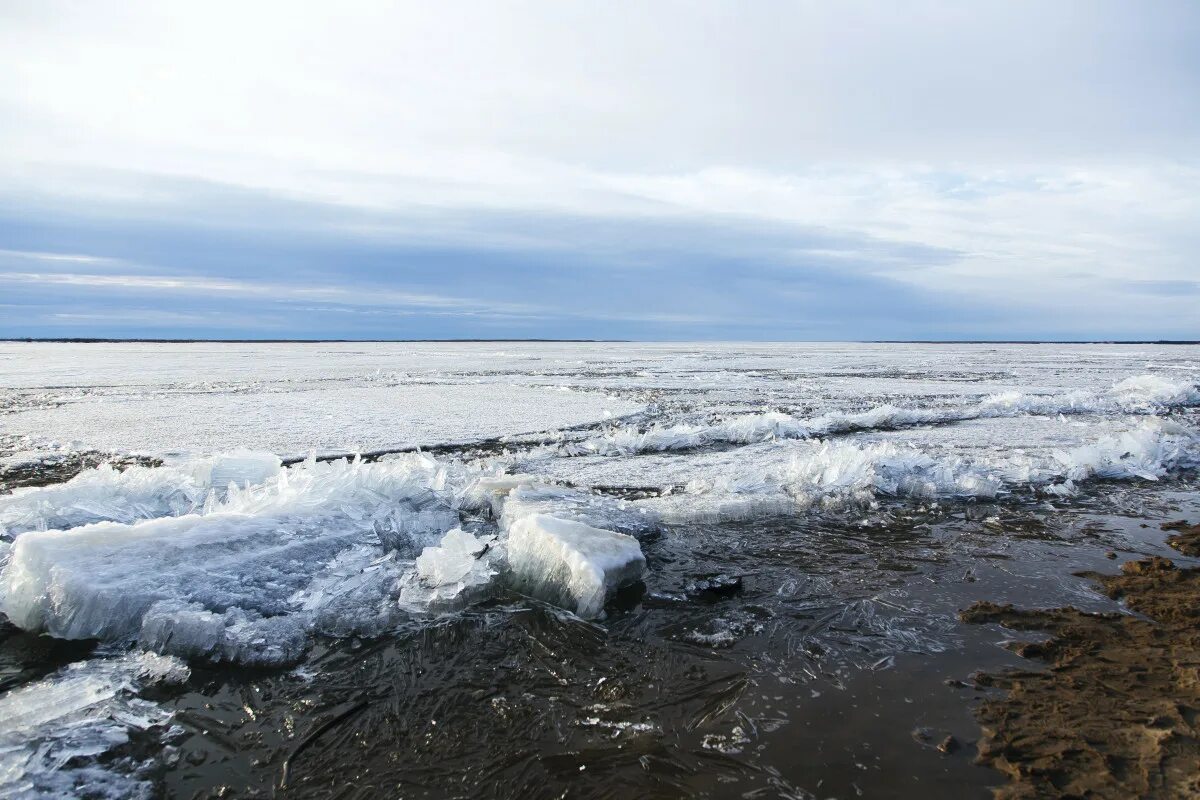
{"x":234,"y":558}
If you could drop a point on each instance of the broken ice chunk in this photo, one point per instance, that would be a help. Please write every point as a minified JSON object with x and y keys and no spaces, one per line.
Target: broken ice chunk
{"x":437,"y":565}
{"x":101,"y":494}
{"x":460,"y":571}
{"x":355,"y":594}
{"x":571,"y":564}
{"x":57,"y":734}
{"x":244,"y":578}
{"x":581,"y":506}
{"x":240,"y":467}
{"x":452,"y":561}
{"x":459,"y":541}
{"x":98,"y":581}
{"x":189,"y":631}
{"x":488,"y":493}
{"x":413,"y":523}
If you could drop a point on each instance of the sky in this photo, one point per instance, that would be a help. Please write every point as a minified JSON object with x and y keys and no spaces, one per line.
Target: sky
{"x":631,"y":170}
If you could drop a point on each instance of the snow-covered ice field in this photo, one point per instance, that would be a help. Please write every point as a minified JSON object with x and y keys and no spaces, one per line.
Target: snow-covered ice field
{"x":704,"y":543}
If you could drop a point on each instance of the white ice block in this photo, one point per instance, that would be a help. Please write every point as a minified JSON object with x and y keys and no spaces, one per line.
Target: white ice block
{"x":242,"y":579}
{"x":571,"y":564}
{"x":463,"y":569}
{"x":241,"y":468}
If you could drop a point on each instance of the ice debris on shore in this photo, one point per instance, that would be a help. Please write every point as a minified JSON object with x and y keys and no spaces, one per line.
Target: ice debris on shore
{"x":835,"y":473}
{"x":348,"y":547}
{"x":249,"y":573}
{"x":132,"y":494}
{"x":55,"y":731}
{"x":228,"y":580}
{"x":1144,"y":394}
{"x":564,"y":546}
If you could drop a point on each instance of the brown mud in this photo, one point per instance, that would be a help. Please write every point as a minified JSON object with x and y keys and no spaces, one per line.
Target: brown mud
{"x":1187,"y":540}
{"x":1117,"y":712}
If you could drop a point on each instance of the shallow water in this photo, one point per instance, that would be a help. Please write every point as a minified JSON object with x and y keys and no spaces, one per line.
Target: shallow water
{"x":796,"y":632}
{"x":808,"y":682}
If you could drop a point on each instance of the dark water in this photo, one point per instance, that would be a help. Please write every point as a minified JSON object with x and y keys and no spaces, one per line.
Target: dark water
{"x":807,"y":680}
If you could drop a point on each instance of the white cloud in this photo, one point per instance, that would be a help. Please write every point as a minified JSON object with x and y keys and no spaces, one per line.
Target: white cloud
{"x":193,"y":284}
{"x":65,"y":258}
{"x":356,"y":300}
{"x":1040,"y":141}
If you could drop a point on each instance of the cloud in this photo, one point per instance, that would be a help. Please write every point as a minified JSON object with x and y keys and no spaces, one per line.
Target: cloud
{"x":997,"y":157}
{"x":275,"y":291}
{"x":1169,"y":288}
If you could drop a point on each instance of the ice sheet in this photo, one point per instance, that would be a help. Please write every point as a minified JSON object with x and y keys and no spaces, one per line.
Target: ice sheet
{"x":294,"y":417}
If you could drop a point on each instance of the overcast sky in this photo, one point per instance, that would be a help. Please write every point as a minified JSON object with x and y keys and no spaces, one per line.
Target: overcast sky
{"x":652,"y":170}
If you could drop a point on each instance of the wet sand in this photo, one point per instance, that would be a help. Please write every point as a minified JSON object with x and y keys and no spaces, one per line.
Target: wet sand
{"x":1116,"y":714}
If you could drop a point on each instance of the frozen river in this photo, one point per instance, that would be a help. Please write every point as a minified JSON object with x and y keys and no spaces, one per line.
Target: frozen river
{"x":623,"y":569}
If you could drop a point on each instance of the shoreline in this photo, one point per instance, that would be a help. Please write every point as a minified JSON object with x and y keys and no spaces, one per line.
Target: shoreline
{"x":1116,"y":710}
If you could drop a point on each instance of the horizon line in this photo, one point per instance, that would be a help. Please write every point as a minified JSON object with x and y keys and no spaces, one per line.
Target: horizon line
{"x":161,"y":340}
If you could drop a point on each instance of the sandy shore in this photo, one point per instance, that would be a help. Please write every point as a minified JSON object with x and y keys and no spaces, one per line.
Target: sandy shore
{"x":1117,"y":712}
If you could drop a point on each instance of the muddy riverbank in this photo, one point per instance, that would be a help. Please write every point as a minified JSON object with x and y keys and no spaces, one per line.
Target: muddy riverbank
{"x":1114,"y":712}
